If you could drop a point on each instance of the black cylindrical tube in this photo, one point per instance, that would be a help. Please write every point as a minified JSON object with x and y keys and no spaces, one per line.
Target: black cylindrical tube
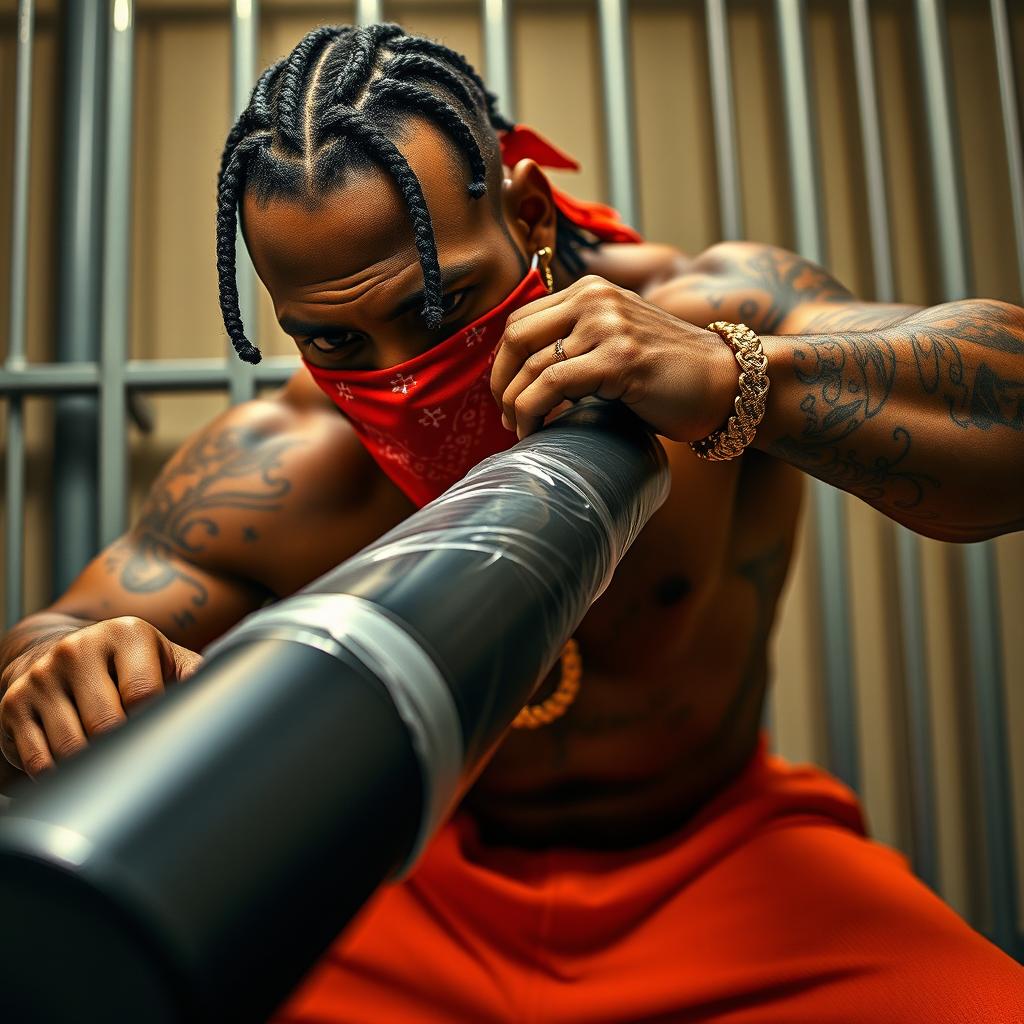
{"x":190,"y":866}
{"x":206,"y":853}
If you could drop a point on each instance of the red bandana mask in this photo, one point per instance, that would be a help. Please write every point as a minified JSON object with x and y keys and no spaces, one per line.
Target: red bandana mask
{"x":430,"y":420}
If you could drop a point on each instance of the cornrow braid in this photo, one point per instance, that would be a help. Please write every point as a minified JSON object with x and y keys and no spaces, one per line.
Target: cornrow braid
{"x":448,"y":118}
{"x":366,"y":41}
{"x":420,"y":45}
{"x":255,"y":116}
{"x":422,"y":66}
{"x":294,"y":76}
{"x":352,"y":107}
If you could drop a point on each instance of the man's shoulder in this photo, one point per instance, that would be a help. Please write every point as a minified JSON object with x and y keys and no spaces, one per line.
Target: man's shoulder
{"x":755,"y":283}
{"x":284,"y":486}
{"x":323,"y":439}
{"x":297,"y":411}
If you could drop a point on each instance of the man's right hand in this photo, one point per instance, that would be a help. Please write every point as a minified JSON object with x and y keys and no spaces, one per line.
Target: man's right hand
{"x":83,"y":683}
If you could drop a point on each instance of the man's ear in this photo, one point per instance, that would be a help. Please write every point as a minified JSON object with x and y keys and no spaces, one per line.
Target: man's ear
{"x":529,"y":207}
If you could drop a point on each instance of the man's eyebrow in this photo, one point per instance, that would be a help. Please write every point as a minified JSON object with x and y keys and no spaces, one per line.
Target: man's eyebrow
{"x":449,"y":275}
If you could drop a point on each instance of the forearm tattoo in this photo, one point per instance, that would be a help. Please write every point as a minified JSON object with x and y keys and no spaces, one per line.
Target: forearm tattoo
{"x":968,"y":356}
{"x":859,"y":317}
{"x":232,"y":468}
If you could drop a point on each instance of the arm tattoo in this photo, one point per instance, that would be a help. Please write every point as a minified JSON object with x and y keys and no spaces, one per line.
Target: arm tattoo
{"x":850,"y":378}
{"x":859,"y":317}
{"x":771,"y":281}
{"x":937,"y":343}
{"x":233,"y":468}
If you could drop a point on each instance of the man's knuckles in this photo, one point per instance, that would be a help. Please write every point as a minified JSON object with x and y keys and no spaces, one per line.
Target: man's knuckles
{"x":103,"y":720}
{"x":138,"y":689}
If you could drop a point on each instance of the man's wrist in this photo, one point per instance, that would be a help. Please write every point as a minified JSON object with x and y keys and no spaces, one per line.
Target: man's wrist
{"x":781,"y":415}
{"x":752,"y":385}
{"x":723,"y":381}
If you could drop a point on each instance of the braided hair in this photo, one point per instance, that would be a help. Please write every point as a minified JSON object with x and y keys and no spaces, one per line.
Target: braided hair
{"x":337,"y":102}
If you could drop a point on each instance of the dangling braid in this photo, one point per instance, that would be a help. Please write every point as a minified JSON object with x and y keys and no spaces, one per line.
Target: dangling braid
{"x":230,"y":187}
{"x":297,"y":139}
{"x":358,"y":128}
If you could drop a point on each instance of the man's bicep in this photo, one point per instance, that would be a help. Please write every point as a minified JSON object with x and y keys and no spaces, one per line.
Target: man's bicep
{"x":191,"y":562}
{"x":189,"y":604}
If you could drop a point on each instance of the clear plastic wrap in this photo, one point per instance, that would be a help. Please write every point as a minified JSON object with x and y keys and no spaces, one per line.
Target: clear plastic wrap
{"x":492,"y":577}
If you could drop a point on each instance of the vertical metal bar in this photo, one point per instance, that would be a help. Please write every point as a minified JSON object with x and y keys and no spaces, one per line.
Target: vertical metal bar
{"x":497,"y":17}
{"x":730,"y":202}
{"x":14,"y":559}
{"x":830,"y":518}
{"x":244,"y":55}
{"x":919,"y":714}
{"x":19,"y":194}
{"x":986,"y":663}
{"x":1011,"y":129}
{"x":369,"y":12}
{"x":116,"y":275}
{"x":801,"y":129}
{"x":943,"y":149}
{"x":908,"y":548}
{"x":82,"y":164}
{"x":979,"y":560}
{"x":618,"y":105}
{"x":871,"y":143}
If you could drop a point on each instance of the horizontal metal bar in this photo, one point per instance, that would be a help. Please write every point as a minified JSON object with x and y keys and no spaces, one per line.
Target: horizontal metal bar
{"x":140,"y":375}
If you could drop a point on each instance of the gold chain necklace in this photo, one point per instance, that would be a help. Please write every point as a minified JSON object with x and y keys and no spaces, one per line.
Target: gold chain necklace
{"x":534,"y":715}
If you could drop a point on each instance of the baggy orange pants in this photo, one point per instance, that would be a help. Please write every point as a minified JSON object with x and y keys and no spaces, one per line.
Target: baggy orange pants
{"x":771,"y":905}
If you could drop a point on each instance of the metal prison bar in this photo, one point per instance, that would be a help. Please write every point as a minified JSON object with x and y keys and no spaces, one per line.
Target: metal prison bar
{"x":111,"y":377}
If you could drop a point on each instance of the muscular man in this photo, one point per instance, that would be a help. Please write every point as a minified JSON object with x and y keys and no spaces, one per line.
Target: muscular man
{"x":371,"y":190}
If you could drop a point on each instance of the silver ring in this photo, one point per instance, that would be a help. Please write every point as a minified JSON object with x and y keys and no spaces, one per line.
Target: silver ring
{"x":559,"y":350}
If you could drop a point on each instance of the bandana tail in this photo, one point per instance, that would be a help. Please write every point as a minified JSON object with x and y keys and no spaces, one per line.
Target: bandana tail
{"x":599,"y":219}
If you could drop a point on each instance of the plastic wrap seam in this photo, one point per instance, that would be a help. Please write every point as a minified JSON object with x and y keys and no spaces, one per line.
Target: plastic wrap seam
{"x":418,"y":689}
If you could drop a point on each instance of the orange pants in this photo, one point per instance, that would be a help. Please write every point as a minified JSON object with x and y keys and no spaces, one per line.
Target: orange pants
{"x":771,"y":905}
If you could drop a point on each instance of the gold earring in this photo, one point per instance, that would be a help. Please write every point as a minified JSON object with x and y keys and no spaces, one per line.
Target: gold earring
{"x":544,"y":256}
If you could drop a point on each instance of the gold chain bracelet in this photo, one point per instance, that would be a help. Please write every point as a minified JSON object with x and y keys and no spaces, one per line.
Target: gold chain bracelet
{"x":534,"y":715}
{"x":749,"y":404}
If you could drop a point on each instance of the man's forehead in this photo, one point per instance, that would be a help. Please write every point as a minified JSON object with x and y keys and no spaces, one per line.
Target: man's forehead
{"x":367,"y":221}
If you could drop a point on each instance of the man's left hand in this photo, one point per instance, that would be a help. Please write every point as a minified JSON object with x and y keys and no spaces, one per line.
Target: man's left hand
{"x":676,"y":377}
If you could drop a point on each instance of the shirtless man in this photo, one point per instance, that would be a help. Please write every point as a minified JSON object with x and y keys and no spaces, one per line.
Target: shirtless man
{"x":918,"y":411}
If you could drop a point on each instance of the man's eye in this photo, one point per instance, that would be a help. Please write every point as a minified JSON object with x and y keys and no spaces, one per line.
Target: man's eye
{"x":330,"y":345}
{"x":453,"y":300}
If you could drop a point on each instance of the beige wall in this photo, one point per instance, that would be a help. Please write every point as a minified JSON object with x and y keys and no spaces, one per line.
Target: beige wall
{"x":181,"y":119}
